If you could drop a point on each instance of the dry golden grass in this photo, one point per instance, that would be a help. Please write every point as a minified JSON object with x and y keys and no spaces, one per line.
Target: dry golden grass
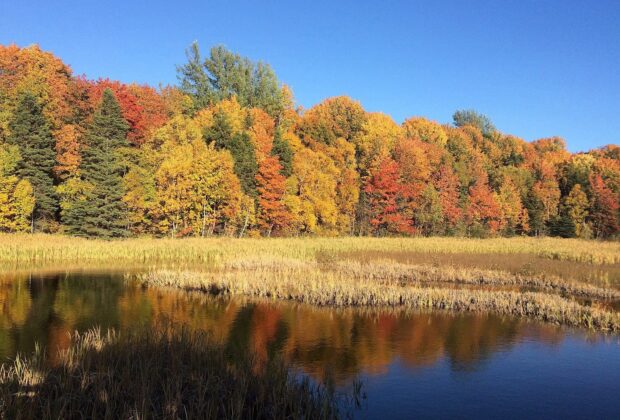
{"x":516,"y":264}
{"x":301,"y":283}
{"x":390,"y":272}
{"x":41,"y":250}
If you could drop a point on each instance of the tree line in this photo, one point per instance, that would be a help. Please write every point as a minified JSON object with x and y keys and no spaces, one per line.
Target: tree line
{"x":226,"y":152}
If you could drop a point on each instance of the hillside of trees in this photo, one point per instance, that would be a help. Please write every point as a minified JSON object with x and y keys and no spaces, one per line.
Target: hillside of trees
{"x":226,"y":152}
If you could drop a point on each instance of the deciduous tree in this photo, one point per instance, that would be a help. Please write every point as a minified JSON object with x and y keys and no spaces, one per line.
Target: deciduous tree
{"x":605,"y":208}
{"x":273,"y":214}
{"x":387,"y":200}
{"x":17,"y":198}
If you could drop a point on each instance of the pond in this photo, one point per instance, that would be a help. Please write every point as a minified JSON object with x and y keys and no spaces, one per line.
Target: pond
{"x":410,"y":363}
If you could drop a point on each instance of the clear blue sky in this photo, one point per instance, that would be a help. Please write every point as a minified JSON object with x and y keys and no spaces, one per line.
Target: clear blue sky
{"x":536,"y":68}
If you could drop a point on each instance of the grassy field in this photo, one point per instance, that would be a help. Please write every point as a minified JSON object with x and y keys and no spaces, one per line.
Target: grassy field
{"x":49,"y":249}
{"x":160,"y":374}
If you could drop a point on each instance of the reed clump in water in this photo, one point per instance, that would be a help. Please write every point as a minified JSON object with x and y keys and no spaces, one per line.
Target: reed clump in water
{"x":389,"y":272}
{"x":162,"y":374}
{"x":322,"y":288}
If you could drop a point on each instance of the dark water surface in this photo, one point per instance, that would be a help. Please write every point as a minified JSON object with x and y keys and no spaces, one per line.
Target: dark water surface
{"x":411,"y":364}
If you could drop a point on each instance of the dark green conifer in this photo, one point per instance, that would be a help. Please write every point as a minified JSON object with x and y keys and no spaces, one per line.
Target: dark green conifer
{"x":101,"y":212}
{"x":240,"y":147}
{"x":246,"y":166}
{"x":283,"y":151}
{"x":31,"y":133}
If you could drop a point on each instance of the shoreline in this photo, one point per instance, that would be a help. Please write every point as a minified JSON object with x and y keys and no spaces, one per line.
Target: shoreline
{"x":317,"y":290}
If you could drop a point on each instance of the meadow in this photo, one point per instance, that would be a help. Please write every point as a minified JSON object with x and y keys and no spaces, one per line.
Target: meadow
{"x":42,"y":250}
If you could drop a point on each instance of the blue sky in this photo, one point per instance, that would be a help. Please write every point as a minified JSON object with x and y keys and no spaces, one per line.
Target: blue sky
{"x":536,"y":68}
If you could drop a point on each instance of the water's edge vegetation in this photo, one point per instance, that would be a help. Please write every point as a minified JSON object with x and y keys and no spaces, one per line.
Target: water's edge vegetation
{"x":166,"y":373}
{"x":321,"y":271}
{"x":316,"y":288}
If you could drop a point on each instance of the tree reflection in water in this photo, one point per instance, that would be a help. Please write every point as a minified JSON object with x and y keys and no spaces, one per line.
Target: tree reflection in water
{"x":320,"y":341}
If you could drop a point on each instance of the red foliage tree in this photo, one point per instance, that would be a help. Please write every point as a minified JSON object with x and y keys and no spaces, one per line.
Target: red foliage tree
{"x":273,"y":216}
{"x":605,"y":207}
{"x":447,"y":185}
{"x":153,"y":108}
{"x":388,"y":199}
{"x":483,"y":208}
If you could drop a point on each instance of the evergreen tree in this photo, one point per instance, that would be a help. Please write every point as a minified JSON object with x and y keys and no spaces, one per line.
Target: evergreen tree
{"x":283,"y":151}
{"x":100,"y":210}
{"x":561,"y":225}
{"x":221,"y":132}
{"x":240,"y":147}
{"x":246,"y":167}
{"x":31,"y":133}
{"x":225,"y":74}
{"x":470,"y":117}
{"x":194,"y":78}
{"x":535,"y":210}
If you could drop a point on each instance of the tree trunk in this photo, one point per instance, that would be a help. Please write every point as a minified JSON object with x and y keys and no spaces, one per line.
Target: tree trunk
{"x":245,"y":225}
{"x":204,"y":221}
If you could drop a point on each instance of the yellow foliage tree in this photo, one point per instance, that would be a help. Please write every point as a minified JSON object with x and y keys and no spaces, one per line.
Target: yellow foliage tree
{"x":314,"y":183}
{"x":376,"y":140}
{"x":195,"y":184}
{"x":425,"y":130}
{"x":16,"y":196}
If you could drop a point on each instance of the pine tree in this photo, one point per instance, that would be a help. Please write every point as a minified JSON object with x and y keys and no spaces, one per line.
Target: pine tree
{"x":31,"y":132}
{"x":100,"y":210}
{"x":283,"y":151}
{"x":246,"y":166}
{"x":221,"y":132}
{"x":240,"y":147}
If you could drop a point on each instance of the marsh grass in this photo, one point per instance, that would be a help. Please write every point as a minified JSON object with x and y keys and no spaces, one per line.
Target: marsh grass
{"x":524,"y":265}
{"x":393,"y":273}
{"x":323,"y":288}
{"x":165,"y":373}
{"x":501,"y":275}
{"x":42,"y":250}
{"x":390,"y":272}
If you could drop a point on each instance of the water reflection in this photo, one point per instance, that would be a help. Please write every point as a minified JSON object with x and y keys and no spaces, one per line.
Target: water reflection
{"x":44,"y":309}
{"x":412,"y":364}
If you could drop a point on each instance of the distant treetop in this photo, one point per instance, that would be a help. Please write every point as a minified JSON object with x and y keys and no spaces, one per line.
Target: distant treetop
{"x":225,"y":74}
{"x":475,"y":119}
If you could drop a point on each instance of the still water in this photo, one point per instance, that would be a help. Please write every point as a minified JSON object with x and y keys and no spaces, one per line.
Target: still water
{"x":411,"y":364}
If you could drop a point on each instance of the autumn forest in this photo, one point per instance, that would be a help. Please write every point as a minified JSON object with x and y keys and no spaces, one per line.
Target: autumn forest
{"x":227,"y":152}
